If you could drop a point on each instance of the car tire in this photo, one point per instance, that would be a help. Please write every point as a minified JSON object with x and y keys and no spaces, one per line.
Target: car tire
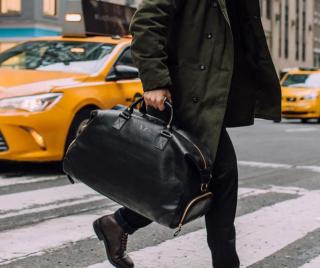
{"x":77,"y":124}
{"x":277,"y":121}
{"x":304,"y":120}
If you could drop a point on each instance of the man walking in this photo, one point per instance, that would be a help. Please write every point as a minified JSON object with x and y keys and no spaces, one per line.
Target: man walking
{"x":211,"y":60}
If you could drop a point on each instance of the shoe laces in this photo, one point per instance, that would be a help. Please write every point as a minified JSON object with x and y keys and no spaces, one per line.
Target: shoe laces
{"x":124,"y":241}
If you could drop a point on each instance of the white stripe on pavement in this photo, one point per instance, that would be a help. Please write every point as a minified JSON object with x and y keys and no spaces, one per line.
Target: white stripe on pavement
{"x":263,"y":164}
{"x":306,"y":129}
{"x":315,"y":169}
{"x":26,"y":180}
{"x":39,"y":238}
{"x":51,"y":207}
{"x":266,"y":231}
{"x":36,"y":201}
{"x":246,"y":192}
{"x":255,"y":164}
{"x":31,"y":199}
{"x":315,"y":263}
{"x":260,"y":234}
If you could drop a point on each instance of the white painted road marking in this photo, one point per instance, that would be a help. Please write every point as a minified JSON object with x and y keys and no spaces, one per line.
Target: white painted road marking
{"x":36,"y":201}
{"x":315,"y":263}
{"x":260,"y":234}
{"x":306,"y":129}
{"x":26,"y":180}
{"x":263,"y":164}
{"x":39,"y":238}
{"x":255,"y":164}
{"x":31,"y":199}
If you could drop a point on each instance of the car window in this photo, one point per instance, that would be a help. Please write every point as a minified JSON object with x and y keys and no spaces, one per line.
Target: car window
{"x":302,"y":80}
{"x":126,"y":58}
{"x":66,"y":56}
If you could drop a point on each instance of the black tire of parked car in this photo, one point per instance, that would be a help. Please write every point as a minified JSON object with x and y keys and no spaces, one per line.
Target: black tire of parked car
{"x":80,"y":119}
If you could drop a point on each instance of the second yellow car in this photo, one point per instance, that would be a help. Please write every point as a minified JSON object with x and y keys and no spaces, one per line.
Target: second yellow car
{"x":301,"y":94}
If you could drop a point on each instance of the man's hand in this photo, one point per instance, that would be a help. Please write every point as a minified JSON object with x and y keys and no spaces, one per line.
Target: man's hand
{"x":156,"y":98}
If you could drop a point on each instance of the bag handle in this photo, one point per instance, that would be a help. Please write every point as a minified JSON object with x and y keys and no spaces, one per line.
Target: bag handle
{"x":135,"y":104}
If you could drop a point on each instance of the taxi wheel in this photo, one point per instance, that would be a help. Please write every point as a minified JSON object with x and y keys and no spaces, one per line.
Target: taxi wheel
{"x":77,"y":125}
{"x":304,"y":120}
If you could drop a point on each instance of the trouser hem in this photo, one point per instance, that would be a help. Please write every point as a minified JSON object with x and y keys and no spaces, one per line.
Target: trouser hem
{"x":127,"y":228}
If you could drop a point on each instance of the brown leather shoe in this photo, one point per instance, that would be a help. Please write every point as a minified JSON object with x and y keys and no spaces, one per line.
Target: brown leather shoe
{"x":115,"y":241}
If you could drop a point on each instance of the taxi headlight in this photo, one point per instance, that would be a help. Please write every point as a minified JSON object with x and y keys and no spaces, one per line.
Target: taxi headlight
{"x":311,"y":96}
{"x":35,"y":103}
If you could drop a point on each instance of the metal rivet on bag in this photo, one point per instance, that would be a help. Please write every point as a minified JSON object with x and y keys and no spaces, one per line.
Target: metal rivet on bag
{"x":202,"y":67}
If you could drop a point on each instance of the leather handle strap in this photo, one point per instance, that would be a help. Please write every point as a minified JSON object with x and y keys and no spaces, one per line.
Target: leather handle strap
{"x":129,"y":110}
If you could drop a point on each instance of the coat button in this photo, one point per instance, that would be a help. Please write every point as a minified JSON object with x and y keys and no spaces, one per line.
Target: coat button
{"x":203,"y":67}
{"x":256,"y":17}
{"x":195,"y":99}
{"x":209,"y":35}
{"x":215,"y":4}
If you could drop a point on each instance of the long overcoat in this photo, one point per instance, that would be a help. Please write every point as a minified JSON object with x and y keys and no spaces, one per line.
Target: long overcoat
{"x":188,"y":46}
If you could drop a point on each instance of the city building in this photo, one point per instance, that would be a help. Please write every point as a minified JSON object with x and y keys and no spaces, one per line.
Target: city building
{"x":289,"y":27}
{"x":24,"y":19}
{"x":292,"y":27}
{"x":316,"y":30}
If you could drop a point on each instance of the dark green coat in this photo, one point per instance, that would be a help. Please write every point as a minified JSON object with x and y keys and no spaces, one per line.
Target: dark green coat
{"x":189,"y":46}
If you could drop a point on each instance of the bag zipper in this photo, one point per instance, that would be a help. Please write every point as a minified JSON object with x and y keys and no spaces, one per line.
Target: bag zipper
{"x":201,"y":154}
{"x":188,"y":208}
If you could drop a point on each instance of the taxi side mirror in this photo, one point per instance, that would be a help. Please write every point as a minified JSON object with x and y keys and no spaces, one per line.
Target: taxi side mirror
{"x":122,"y":72}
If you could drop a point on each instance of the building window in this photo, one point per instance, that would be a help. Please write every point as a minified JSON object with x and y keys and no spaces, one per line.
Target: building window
{"x":280,"y":29}
{"x":304,"y":26}
{"x":50,"y":7}
{"x":268,"y":9}
{"x":261,"y":7}
{"x":8,"y":7}
{"x":297,"y":29}
{"x":286,"y":30}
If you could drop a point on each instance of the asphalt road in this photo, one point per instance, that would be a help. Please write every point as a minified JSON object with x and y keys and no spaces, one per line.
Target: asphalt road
{"x":46,"y":222}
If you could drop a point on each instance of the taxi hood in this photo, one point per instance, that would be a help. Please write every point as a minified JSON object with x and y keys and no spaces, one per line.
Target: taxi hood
{"x":15,"y":83}
{"x":299,"y":91}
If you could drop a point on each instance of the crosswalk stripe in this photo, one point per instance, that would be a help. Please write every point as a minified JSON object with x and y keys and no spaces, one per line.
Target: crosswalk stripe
{"x":254,"y":164}
{"x":37,"y":239}
{"x":315,"y":263}
{"x":45,"y":197}
{"x":23,"y":203}
{"x":59,"y":234}
{"x":271,"y":228}
{"x":26,"y":180}
{"x":260,"y":234}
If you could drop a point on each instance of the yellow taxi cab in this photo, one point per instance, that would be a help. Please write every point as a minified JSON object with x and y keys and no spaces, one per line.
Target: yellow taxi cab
{"x":49,"y":86}
{"x":301,"y":94}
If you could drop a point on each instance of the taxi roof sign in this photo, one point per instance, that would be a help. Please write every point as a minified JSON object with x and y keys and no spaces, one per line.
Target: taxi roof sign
{"x":96,"y":17}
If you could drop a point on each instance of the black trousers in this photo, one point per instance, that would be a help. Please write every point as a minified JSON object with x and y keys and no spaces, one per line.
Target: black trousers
{"x":221,"y":236}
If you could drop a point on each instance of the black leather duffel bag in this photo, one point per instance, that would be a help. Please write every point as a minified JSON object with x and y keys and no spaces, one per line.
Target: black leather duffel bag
{"x":143,"y":163}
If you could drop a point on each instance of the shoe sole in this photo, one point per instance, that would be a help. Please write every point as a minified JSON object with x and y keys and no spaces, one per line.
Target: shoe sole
{"x":98,"y":230}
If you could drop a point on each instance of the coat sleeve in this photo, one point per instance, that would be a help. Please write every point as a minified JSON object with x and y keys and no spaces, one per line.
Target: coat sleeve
{"x":150,"y":28}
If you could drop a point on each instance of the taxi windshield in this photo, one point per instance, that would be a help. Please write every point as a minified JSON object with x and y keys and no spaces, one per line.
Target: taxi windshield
{"x":64,"y":56}
{"x":302,"y":80}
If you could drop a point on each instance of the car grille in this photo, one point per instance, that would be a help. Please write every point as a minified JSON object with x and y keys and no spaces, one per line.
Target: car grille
{"x":291,"y":99}
{"x":3,"y":144}
{"x":293,"y":113}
